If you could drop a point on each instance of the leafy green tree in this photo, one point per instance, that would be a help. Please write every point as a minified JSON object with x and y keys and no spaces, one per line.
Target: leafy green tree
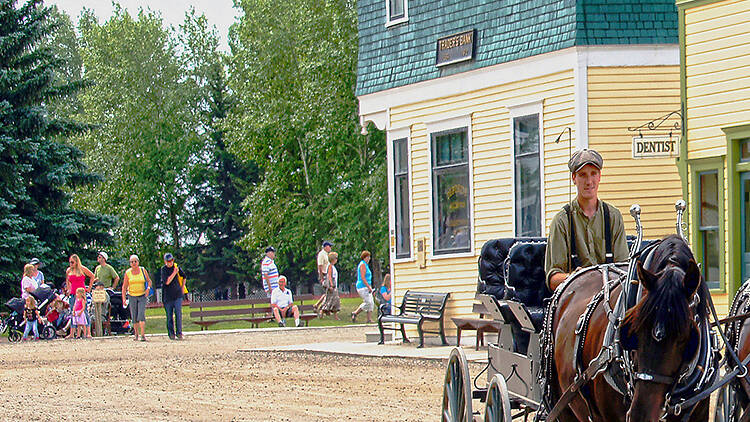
{"x":293,"y":69}
{"x":147,"y":136}
{"x":219,"y":181}
{"x":38,"y":167}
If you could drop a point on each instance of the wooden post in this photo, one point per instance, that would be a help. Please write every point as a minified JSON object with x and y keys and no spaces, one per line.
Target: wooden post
{"x":98,"y":296}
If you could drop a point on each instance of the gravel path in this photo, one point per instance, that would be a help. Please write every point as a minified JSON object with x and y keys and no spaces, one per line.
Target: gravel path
{"x":204,"y":378}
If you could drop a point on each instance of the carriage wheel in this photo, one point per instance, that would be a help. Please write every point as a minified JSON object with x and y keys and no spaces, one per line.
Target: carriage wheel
{"x":14,"y":336}
{"x":457,"y":389}
{"x":48,"y":332}
{"x":726,"y":406}
{"x":497,"y":406}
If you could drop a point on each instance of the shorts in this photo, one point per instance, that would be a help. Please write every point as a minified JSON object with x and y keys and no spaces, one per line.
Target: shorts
{"x":138,"y":308}
{"x":289,"y":313}
{"x":368,"y":304}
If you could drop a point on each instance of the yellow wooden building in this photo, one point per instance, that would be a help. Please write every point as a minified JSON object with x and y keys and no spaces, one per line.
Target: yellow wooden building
{"x":482,"y":115}
{"x":715,"y":80}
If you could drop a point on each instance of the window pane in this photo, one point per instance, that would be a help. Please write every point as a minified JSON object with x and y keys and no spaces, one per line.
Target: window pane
{"x":528,"y":196}
{"x":526,"y":134}
{"x":745,"y":149}
{"x":711,"y":249}
{"x":709,"y":212}
{"x":451,"y":148}
{"x":403,"y":238}
{"x":400,"y":156}
{"x":452,"y":230}
{"x":397,"y":9}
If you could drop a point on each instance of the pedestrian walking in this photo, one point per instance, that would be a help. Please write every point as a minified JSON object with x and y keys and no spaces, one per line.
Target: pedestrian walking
{"x":269,"y":272}
{"x":364,"y":287}
{"x":136,"y":284}
{"x":325,"y":250}
{"x":173,"y":285}
{"x":331,"y":301}
{"x":75,"y":278}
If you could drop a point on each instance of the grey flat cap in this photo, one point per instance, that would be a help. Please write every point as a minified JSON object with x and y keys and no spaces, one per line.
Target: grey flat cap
{"x":585,"y":156}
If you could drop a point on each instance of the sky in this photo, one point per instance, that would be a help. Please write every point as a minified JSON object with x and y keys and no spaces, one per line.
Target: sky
{"x":219,"y":13}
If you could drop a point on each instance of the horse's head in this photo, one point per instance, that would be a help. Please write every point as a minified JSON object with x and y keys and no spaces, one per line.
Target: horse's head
{"x":661,"y":331}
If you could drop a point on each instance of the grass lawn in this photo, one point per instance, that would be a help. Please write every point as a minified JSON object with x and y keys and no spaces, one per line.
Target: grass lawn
{"x":156,"y":319}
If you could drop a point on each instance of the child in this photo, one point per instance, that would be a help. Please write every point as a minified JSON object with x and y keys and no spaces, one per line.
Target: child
{"x":79,"y":317}
{"x":31,"y":315}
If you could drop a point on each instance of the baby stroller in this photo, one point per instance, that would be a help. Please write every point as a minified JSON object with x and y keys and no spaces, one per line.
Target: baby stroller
{"x":119,"y":317}
{"x":15,"y":323}
{"x":59,"y":316}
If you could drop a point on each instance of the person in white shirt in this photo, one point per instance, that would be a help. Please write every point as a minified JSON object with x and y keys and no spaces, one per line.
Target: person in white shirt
{"x":283,"y":305}
{"x":269,"y":271}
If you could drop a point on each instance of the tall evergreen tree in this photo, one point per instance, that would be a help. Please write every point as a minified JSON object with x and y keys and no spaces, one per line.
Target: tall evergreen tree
{"x":218,"y":181}
{"x":38,"y":168}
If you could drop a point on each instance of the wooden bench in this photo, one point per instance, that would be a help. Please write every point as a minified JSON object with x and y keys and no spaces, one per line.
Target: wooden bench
{"x":416,"y":308}
{"x":253,"y":311}
{"x":480,"y":325}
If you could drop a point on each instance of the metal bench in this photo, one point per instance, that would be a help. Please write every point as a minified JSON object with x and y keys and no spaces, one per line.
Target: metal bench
{"x":416,"y":308}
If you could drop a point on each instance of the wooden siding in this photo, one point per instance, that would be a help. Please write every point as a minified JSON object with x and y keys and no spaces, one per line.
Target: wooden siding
{"x":717,"y":62}
{"x":622,"y":97}
{"x":491,"y":167}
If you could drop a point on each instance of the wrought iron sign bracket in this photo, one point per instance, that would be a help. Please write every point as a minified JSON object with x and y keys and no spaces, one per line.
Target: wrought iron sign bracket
{"x":658,"y":122}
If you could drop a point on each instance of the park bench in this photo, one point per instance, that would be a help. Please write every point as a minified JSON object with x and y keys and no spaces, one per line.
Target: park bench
{"x":253,"y":311}
{"x":416,"y":308}
{"x":480,"y":325}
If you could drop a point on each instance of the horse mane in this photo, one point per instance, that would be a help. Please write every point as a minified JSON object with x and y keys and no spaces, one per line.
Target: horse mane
{"x":667,"y":303}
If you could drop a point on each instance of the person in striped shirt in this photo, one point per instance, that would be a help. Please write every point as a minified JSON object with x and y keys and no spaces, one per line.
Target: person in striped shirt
{"x":269,"y":271}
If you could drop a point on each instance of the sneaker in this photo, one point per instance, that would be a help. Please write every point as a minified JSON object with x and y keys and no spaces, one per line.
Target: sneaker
{"x":282,"y":324}
{"x":180,"y":337}
{"x":171,"y":337}
{"x":299,"y":323}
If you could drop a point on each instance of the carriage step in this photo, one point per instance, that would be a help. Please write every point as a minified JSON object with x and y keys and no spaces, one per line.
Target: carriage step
{"x":480,"y":394}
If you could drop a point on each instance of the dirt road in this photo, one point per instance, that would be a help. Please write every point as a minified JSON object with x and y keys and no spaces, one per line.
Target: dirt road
{"x":204,"y":378}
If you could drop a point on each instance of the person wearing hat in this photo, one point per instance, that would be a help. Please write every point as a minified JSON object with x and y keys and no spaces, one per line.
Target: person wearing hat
{"x":172,"y":282}
{"x":322,"y":269}
{"x":587,"y":231}
{"x":101,"y":317}
{"x":269,"y":272}
{"x":39,"y":276}
{"x":104,"y":273}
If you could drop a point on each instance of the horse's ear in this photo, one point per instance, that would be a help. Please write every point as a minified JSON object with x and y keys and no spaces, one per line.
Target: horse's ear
{"x":647,"y":278}
{"x":692,"y":278}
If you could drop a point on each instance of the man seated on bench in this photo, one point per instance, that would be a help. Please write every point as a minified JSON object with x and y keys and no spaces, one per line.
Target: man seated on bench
{"x":283,"y":305}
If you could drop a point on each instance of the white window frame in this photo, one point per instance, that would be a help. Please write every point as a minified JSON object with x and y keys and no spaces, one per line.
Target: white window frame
{"x":393,"y":135}
{"x":388,"y":21}
{"x":442,"y":126}
{"x":522,"y":110}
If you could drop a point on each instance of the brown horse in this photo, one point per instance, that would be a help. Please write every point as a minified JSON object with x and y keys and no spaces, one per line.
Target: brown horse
{"x":662,"y":328}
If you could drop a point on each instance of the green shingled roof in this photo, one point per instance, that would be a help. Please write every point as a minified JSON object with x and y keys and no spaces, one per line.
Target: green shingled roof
{"x":507,"y":30}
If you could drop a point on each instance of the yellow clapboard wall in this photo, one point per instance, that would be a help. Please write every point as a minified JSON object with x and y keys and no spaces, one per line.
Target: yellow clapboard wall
{"x":627,"y":97}
{"x":491,"y":168}
{"x":717,"y":65}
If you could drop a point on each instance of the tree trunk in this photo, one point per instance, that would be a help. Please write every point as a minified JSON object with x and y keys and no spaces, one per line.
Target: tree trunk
{"x":377,"y":276}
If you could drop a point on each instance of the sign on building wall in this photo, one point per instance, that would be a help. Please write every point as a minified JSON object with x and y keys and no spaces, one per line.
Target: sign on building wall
{"x":455,"y":48}
{"x":656,"y":146}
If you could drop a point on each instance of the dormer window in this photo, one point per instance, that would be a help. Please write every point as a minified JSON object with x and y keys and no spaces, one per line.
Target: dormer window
{"x":396,"y":11}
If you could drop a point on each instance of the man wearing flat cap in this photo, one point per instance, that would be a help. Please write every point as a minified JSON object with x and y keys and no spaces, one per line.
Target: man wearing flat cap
{"x":587,"y":231}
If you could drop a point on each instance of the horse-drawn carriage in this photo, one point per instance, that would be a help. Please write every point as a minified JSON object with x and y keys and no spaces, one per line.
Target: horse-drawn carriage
{"x":637,"y":341}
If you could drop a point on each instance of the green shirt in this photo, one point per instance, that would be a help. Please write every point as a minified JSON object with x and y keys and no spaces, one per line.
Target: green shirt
{"x":589,"y":239}
{"x":106,"y":274}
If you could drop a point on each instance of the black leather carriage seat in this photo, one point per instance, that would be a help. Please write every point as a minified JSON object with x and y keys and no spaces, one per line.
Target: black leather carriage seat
{"x":516,"y":262}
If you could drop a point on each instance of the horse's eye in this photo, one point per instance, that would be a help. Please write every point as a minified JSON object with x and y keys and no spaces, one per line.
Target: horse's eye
{"x":658,"y":332}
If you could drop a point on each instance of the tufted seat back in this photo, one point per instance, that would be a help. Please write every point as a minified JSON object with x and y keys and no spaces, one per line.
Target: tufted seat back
{"x":517,"y":262}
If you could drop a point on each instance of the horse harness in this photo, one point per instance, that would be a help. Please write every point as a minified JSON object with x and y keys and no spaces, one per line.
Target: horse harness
{"x":612,"y":352}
